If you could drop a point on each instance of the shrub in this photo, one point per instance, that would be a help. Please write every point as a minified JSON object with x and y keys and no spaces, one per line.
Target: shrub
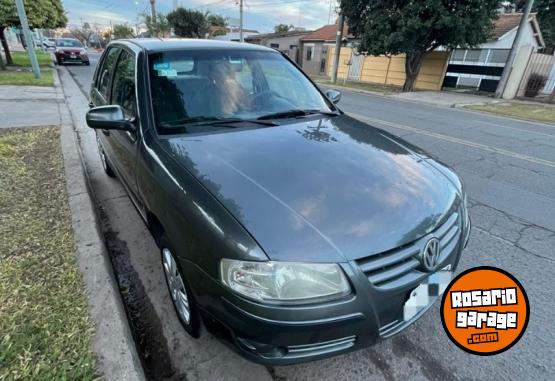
{"x":535,"y":83}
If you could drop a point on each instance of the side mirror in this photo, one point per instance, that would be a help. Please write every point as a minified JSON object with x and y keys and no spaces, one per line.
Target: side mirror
{"x":333,"y":95}
{"x":109,"y":118}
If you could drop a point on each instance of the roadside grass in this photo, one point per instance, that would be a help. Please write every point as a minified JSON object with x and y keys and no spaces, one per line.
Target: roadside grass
{"x":24,"y":77}
{"x":45,"y":331}
{"x":22,"y":58}
{"x":538,"y":112}
{"x":372,"y":87}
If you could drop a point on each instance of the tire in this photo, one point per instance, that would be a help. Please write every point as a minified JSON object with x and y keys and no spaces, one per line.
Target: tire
{"x":105,"y":165}
{"x":180,"y":292}
{"x":87,"y":63}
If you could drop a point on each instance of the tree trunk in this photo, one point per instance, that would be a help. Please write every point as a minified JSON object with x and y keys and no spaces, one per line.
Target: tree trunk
{"x":413,"y":63}
{"x":9,"y":60}
{"x":2,"y":64}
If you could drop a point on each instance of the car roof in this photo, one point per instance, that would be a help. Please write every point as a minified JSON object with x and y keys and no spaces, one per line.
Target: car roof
{"x":162,"y":44}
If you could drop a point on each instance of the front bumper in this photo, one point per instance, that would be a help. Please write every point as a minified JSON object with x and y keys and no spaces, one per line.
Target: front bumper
{"x":64,"y":57}
{"x":281,"y":335}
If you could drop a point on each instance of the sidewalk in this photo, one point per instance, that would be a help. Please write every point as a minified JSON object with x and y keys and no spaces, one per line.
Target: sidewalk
{"x":445,"y":98}
{"x":112,"y":343}
{"x":18,"y":103}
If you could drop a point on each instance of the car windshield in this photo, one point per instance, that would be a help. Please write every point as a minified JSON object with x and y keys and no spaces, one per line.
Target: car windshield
{"x":188,"y":86}
{"x":68,"y":44}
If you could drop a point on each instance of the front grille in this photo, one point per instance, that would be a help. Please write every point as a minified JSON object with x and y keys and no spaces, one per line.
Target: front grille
{"x":401,"y":266}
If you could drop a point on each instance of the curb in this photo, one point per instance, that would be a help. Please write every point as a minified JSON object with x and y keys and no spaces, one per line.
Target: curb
{"x":113,"y":344}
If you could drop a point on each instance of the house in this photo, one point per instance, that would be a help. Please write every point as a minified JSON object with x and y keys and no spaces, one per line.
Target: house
{"x":286,"y":42}
{"x":233,"y":34}
{"x":481,"y":68}
{"x":315,"y":47}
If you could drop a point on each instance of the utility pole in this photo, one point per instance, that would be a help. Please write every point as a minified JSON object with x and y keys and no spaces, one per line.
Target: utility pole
{"x":338,"y":40}
{"x":241,"y":21}
{"x":153,"y":11}
{"x":27,"y":33}
{"x":514,"y":50}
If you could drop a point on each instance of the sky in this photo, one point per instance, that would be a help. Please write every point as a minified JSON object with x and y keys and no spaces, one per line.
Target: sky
{"x":261,"y":15}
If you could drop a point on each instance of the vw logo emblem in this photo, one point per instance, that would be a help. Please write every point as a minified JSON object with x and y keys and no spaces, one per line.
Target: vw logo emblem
{"x":430,"y":254}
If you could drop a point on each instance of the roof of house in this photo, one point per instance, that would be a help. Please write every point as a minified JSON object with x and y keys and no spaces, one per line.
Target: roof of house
{"x":326,"y":33}
{"x":280,"y":34}
{"x":509,"y":21}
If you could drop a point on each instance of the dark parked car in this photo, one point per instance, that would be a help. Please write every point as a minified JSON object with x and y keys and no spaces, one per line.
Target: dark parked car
{"x":70,"y":50}
{"x":293,"y":230}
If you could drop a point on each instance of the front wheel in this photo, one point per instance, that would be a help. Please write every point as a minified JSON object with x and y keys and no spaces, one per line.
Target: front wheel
{"x":105,"y":165}
{"x":180,"y":293}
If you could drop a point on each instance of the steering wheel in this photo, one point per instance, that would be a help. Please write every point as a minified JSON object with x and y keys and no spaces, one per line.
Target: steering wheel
{"x":266,"y":93}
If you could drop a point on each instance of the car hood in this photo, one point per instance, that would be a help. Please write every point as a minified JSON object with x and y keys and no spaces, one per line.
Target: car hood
{"x":321,"y":189}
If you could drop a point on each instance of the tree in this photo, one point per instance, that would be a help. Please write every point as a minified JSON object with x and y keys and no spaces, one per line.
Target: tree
{"x":83,"y":34}
{"x":161,"y":27}
{"x":42,"y":14}
{"x":283,"y":28}
{"x":217,"y":24}
{"x":546,"y":19}
{"x":122,"y":31}
{"x":418,"y":27}
{"x":188,"y":23}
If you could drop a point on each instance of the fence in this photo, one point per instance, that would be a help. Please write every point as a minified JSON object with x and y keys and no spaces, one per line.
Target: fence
{"x":389,"y":70}
{"x":538,"y":82}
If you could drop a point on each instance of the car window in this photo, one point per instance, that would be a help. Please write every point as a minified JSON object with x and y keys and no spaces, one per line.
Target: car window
{"x":222,"y":84}
{"x":123,"y":89}
{"x":106,"y":72}
{"x":69,"y":44}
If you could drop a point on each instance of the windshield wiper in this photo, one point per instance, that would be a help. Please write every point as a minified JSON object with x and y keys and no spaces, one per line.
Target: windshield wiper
{"x":296,"y":113}
{"x":214,"y":121}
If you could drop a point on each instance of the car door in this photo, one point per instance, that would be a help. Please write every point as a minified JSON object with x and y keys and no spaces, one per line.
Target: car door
{"x":123,"y":144}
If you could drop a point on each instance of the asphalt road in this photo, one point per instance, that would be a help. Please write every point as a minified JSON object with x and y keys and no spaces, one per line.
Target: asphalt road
{"x":508,"y":167}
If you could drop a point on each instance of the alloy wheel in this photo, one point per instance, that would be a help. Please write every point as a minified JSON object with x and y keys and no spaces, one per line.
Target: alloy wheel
{"x":176,"y":287}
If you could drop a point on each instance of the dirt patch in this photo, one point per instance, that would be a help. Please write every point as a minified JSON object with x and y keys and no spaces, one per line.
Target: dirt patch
{"x":144,"y":322}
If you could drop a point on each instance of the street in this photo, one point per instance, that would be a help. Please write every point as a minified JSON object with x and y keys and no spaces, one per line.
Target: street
{"x":508,"y":168}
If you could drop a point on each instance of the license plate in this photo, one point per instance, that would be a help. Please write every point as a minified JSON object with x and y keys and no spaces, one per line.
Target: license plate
{"x":73,"y":56}
{"x":427,"y":292}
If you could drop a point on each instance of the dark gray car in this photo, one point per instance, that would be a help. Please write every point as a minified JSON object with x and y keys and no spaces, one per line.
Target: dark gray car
{"x":293,"y":231}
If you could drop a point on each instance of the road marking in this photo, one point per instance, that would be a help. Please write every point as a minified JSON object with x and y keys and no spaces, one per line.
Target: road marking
{"x":519,"y":129}
{"x":451,"y":139}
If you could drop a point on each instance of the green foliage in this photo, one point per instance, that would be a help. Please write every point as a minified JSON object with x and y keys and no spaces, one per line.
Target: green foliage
{"x":417,"y":27}
{"x":26,"y":78}
{"x":283,"y":28}
{"x":45,"y":330}
{"x":42,"y":14}
{"x":216,"y":20}
{"x":189,"y":23}
{"x":159,"y":28}
{"x":22,"y":58}
{"x":122,"y":31}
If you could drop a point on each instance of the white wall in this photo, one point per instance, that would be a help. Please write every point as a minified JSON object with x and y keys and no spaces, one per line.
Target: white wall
{"x":506,"y":41}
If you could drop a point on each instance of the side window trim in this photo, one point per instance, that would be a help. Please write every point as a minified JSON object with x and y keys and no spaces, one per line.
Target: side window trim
{"x":134,"y":58}
{"x":110,"y":80}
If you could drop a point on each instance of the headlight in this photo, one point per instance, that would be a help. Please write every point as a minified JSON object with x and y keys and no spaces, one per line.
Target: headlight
{"x":82,"y":52}
{"x":285,"y":282}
